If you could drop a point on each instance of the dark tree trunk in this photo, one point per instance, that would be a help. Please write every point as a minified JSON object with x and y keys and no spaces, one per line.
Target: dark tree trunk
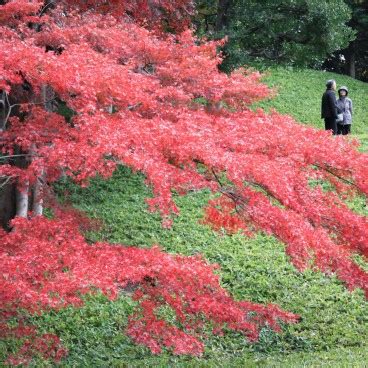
{"x":7,"y":189}
{"x":7,"y":203}
{"x":3,"y":110}
{"x":350,"y":58}
{"x":222,"y":14}
{"x":352,"y":65}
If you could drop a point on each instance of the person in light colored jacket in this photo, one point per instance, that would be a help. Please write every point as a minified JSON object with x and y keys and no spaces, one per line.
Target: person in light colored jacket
{"x":345,"y":107}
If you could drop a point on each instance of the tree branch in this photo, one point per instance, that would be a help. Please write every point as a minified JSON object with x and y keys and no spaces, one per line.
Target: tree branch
{"x":45,"y":8}
{"x":216,"y":177}
{"x":20,"y":155}
{"x":337,"y":176}
{"x":6,"y":181}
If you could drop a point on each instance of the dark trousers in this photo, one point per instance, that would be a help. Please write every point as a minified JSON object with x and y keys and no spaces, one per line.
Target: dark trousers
{"x":343,"y":129}
{"x":330,"y":124}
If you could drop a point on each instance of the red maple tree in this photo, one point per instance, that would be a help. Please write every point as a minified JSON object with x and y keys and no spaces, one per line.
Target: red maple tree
{"x":155,"y":101}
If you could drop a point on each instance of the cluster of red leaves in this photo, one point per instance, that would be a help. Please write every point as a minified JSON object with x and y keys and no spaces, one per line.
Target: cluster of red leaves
{"x":158,"y":104}
{"x":17,"y":11}
{"x":156,"y":14}
{"x":48,"y":264}
{"x":47,"y":345}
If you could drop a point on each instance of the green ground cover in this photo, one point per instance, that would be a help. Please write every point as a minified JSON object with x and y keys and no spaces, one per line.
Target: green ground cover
{"x":299,"y":93}
{"x":333,"y":331}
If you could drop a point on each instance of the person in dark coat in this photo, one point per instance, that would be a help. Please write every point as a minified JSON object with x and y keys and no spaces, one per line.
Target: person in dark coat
{"x":329,"y":109}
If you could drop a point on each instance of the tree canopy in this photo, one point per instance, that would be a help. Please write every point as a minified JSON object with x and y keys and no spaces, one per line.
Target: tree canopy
{"x":353,"y":60}
{"x":302,"y":32}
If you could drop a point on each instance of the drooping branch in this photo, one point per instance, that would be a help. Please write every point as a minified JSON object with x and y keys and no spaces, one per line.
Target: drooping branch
{"x":188,"y":285}
{"x":333,"y":173}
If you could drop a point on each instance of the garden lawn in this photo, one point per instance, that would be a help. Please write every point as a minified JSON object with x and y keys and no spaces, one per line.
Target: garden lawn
{"x":333,"y":331}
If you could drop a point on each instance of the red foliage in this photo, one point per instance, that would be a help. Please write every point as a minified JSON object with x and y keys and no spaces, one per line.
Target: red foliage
{"x":137,"y":95}
{"x":48,"y":264}
{"x":46,"y":345}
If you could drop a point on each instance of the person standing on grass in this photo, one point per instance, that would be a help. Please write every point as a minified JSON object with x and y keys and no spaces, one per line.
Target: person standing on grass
{"x":329,"y":107}
{"x":345,"y":106}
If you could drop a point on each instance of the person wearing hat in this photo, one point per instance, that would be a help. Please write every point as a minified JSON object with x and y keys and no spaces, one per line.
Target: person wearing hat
{"x":329,"y":107}
{"x":345,"y":106}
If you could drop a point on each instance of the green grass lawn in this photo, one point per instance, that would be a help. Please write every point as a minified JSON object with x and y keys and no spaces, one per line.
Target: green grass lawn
{"x":333,"y":331}
{"x":299,"y":94}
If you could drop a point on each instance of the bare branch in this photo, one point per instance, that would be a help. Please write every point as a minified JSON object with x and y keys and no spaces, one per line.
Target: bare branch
{"x":216,"y":177}
{"x":8,"y":178}
{"x":337,"y":176}
{"x":20,"y":155}
{"x":33,"y":103}
{"x":21,"y":104}
{"x":132,"y":107}
{"x":45,"y":8}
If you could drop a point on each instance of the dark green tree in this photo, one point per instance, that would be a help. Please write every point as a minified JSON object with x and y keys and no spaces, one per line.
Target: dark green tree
{"x":297,"y":32}
{"x":357,"y":53}
{"x":354,"y":59}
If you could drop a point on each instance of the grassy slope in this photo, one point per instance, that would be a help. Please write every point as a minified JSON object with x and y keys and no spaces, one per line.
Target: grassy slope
{"x":299,"y":94}
{"x":255,"y":269}
{"x":333,"y":331}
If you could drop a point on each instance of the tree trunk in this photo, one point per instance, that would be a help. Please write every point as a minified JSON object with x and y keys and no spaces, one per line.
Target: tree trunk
{"x":222,"y":14}
{"x":7,"y":188}
{"x":350,"y":58}
{"x":22,"y":200}
{"x":16,"y":199}
{"x":37,"y":205}
{"x":352,"y":65}
{"x":7,"y":203}
{"x":2,"y":110}
{"x":37,"y":190}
